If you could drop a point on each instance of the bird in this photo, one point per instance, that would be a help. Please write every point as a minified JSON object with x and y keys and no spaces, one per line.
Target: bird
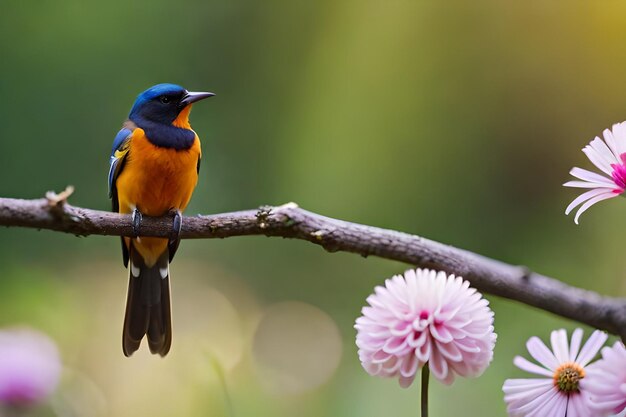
{"x":154,"y":166}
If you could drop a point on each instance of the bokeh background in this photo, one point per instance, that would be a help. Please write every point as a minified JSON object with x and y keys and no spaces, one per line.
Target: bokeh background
{"x":457,"y":121}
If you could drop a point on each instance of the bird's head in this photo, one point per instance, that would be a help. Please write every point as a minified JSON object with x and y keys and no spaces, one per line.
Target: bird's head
{"x":163,"y":103}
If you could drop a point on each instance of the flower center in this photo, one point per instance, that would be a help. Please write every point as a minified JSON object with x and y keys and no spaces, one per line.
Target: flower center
{"x":619,"y":174}
{"x":568,"y":376}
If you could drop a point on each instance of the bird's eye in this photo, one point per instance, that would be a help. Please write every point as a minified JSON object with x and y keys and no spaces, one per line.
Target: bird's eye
{"x":164,"y":99}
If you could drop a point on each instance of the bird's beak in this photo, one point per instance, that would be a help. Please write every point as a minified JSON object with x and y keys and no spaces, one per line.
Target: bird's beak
{"x":193,"y":96}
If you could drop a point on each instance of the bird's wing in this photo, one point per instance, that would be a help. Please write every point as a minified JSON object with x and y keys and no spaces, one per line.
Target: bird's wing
{"x":121,"y":145}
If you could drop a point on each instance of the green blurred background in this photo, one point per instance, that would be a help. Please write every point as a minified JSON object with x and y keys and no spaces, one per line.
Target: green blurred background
{"x":457,"y":121}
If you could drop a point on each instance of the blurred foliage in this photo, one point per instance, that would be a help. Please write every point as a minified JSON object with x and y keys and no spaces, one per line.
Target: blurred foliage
{"x":454,"y":120}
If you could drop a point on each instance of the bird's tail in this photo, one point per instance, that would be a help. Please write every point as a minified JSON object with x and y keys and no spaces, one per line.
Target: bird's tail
{"x":148,"y":310}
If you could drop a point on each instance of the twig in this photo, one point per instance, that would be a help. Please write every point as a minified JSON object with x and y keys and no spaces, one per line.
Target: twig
{"x":289,"y":221}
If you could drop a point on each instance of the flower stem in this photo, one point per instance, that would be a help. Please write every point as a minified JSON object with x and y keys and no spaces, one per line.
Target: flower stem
{"x":425,"y":375}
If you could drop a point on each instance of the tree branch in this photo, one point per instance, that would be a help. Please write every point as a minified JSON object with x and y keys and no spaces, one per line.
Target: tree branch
{"x":289,"y":221}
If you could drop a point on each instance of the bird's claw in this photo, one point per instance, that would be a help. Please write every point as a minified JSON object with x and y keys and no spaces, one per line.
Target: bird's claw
{"x":177,"y":225}
{"x":174,"y":240}
{"x":137,"y":217}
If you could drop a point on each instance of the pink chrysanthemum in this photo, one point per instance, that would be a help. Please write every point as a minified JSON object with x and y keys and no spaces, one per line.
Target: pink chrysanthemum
{"x":559,"y":394}
{"x":425,"y":317}
{"x":610,"y":157}
{"x":606,"y":381}
{"x":30,"y":367}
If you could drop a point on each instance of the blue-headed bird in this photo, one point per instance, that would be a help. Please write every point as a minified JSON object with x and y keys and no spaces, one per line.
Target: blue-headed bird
{"x":154,"y":169}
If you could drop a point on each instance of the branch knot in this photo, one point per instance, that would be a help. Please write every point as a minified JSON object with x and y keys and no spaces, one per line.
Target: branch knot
{"x":56,"y":200}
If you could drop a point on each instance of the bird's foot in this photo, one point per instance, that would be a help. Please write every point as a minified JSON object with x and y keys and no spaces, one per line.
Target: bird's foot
{"x":174,"y":239}
{"x":137,"y":217}
{"x":177,"y":224}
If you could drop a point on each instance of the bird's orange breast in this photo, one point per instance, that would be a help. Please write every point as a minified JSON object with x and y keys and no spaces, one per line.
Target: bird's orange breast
{"x":156,"y":179}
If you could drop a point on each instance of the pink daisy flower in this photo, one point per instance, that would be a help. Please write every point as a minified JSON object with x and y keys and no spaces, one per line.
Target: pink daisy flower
{"x":30,"y":367}
{"x":606,"y":381}
{"x":610,"y":157}
{"x":559,"y":393}
{"x":425,"y":317}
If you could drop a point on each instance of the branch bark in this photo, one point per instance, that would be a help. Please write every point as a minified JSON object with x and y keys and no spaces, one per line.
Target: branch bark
{"x":289,"y":221}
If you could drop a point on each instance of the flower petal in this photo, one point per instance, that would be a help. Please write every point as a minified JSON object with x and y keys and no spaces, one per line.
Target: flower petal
{"x":591,"y":202}
{"x":512,"y":386}
{"x":538,"y":403}
{"x":525,"y":392}
{"x":528,"y":366}
{"x":619,"y":134}
{"x":409,"y":366}
{"x":425,"y":316}
{"x":577,"y":337}
{"x":557,"y":407}
{"x":438,"y":366}
{"x":406,"y":381}
{"x":585,"y":184}
{"x":541,"y":353}
{"x":591,"y":176}
{"x":576,"y":406}
{"x":584,"y":197}
{"x":604,"y":151}
{"x":611,"y":143}
{"x":591,"y":348}
{"x":558,"y":339}
{"x":596,"y":159}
